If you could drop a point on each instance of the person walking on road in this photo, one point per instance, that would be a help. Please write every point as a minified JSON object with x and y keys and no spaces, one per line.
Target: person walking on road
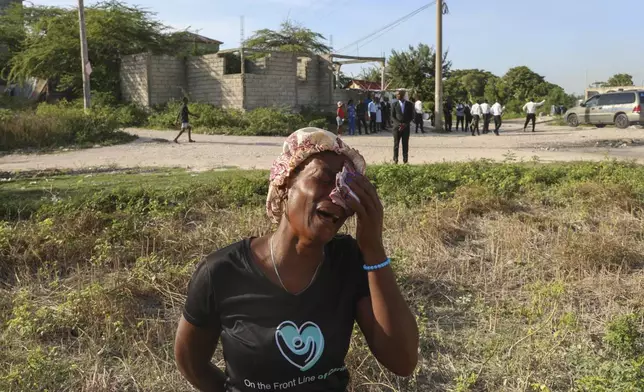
{"x":460,"y":116}
{"x":402,"y":116}
{"x":497,"y":112}
{"x":184,"y":116}
{"x":485,"y":113}
{"x":476,"y":117}
{"x":531,"y":113}
{"x":418,"y":115}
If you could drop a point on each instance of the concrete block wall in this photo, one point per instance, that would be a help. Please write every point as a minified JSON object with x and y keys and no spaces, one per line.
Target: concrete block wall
{"x":307,"y":81}
{"x":134,"y":79}
{"x":204,"y":74}
{"x":167,"y":79}
{"x":274,"y":82}
{"x":232,"y":92}
{"x":278,"y":79}
{"x":325,"y":88}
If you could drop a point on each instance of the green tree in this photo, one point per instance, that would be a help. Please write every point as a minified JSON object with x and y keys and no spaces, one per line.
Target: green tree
{"x":621,"y":79}
{"x":467,"y":85}
{"x":291,"y":37}
{"x":415,"y":69}
{"x":497,"y":90}
{"x":50,"y":46}
{"x":557,"y":96}
{"x":372,"y":74}
{"x":523,"y":84}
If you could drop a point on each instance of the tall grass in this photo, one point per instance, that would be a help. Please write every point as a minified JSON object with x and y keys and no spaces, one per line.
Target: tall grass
{"x":259,"y":122}
{"x":65,"y":124}
{"x":522,"y":277}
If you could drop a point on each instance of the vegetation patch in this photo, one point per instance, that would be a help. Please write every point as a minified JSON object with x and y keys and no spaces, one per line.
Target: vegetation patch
{"x":523,"y":277}
{"x":63,"y":125}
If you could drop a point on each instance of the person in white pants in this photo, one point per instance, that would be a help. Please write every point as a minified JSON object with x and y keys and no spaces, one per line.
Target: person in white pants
{"x":531,"y":110}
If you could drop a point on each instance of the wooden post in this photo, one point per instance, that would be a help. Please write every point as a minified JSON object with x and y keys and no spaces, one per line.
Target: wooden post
{"x":84,"y":57}
{"x":438,"y":94}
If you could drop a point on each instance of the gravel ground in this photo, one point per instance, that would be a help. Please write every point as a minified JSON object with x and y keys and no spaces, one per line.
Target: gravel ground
{"x":153,"y":149}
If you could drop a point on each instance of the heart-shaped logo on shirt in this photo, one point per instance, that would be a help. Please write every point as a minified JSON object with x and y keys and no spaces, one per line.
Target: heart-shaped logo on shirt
{"x":301,"y":346}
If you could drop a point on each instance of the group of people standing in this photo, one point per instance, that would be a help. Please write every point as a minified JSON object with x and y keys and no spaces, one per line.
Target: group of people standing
{"x":374,"y":114}
{"x":469,"y":118}
{"x":381,"y":115}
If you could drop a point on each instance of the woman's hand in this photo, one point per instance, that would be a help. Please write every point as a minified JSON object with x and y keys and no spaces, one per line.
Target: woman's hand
{"x":370,"y":217}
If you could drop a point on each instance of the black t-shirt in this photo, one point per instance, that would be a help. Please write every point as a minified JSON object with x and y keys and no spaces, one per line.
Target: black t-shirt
{"x":185,"y":114}
{"x":273,"y":340}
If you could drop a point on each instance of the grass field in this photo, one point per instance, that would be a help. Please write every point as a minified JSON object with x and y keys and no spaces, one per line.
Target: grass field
{"x":523,"y":277}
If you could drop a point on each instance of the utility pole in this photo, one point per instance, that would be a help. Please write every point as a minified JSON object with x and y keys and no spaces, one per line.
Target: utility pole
{"x":438,"y":94}
{"x":382,"y":76}
{"x":242,"y":58}
{"x":87,"y":68}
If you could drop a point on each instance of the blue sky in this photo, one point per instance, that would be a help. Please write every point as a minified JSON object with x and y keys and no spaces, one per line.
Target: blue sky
{"x":563,"y":40}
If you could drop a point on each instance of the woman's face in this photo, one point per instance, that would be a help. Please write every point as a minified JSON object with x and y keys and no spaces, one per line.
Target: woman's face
{"x":309,"y":209}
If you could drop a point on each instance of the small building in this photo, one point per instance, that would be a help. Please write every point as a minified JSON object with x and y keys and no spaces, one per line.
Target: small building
{"x":364,"y":85}
{"x":193,"y":44}
{"x":590,"y":92}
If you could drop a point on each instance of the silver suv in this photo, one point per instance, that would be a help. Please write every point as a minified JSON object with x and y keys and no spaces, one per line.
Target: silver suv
{"x":622,"y":108}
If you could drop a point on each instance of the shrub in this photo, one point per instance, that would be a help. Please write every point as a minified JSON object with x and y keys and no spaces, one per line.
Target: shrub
{"x":15,"y":103}
{"x":59,"y":125}
{"x":270,"y":121}
{"x":319,"y":123}
{"x":625,"y":335}
{"x":209,"y":119}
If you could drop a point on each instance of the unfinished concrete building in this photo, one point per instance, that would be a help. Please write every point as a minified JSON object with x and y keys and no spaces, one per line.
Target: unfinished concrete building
{"x":261,"y":80}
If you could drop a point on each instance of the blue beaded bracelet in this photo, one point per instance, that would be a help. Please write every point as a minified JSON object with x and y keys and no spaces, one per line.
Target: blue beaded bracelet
{"x":378,"y":266}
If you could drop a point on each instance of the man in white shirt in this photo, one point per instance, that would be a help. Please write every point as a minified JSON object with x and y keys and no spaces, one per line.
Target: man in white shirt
{"x":373,"y":112}
{"x":485,"y":112}
{"x":418,"y":115}
{"x":476,"y":117}
{"x":497,"y":112}
{"x":531,"y":109}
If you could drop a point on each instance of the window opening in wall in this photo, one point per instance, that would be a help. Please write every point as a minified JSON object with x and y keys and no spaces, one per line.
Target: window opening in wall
{"x":232,"y":64}
{"x":302,"y":65}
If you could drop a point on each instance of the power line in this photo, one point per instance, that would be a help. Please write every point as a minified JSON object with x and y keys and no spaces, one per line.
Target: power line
{"x":242,"y":36}
{"x":333,"y":9}
{"x":381,"y":33}
{"x":390,"y":25}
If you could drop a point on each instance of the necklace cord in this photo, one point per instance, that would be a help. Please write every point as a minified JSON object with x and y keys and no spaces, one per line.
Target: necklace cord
{"x":315,"y":274}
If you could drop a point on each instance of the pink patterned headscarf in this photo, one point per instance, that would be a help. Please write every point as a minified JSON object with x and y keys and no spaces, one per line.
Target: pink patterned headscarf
{"x":299,"y":146}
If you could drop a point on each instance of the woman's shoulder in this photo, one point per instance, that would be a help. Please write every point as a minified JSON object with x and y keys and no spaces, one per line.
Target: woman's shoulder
{"x":233,"y":255}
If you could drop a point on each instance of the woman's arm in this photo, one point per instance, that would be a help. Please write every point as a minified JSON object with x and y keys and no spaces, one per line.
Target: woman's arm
{"x":384,"y":318}
{"x":388,"y":325}
{"x":193,"y":351}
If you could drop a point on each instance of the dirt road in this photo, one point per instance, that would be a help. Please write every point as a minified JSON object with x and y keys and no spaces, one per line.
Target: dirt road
{"x":153,"y":149}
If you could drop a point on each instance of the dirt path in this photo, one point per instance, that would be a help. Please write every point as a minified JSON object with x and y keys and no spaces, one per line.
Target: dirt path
{"x":549,"y":143}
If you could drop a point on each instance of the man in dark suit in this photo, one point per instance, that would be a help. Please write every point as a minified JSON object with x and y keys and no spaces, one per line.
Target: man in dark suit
{"x":402,"y":115}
